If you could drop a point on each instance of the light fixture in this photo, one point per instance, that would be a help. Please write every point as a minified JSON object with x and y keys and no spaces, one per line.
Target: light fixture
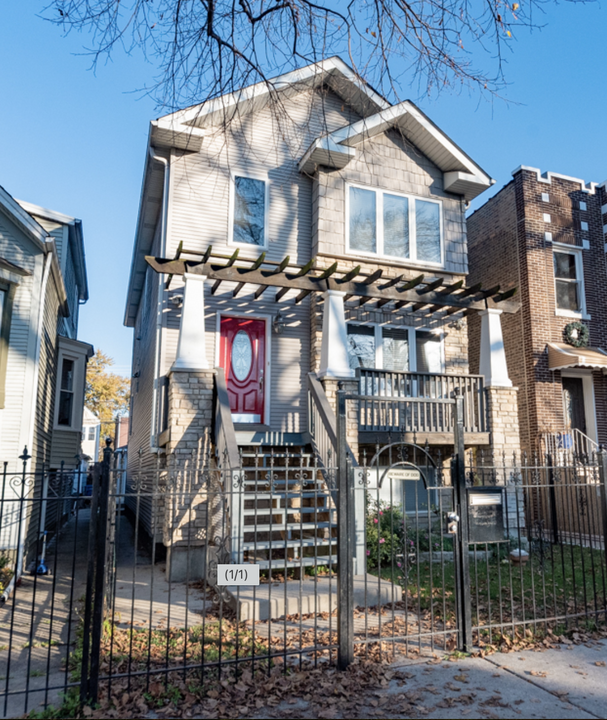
{"x":279,"y":323}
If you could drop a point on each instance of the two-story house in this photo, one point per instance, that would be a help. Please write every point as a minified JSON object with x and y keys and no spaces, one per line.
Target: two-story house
{"x":290,"y":236}
{"x":42,"y":363}
{"x":545,"y":234}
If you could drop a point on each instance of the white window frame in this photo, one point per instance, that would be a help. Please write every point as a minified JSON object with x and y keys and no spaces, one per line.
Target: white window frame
{"x":379,"y":356}
{"x":263,"y":177}
{"x":579,"y":272}
{"x":379,"y":227}
{"x":79,"y":364}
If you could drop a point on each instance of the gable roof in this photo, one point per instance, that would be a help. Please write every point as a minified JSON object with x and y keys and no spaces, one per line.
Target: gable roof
{"x":186,"y":129}
{"x":76,"y":240}
{"x":461,"y":174}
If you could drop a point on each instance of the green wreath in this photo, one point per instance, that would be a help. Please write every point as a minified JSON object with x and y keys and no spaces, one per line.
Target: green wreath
{"x":576,"y":334}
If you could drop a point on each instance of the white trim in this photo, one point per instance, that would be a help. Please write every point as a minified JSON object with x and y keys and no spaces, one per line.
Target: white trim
{"x":379,"y":226}
{"x":546,"y":177}
{"x":46,"y":214}
{"x":579,"y":272}
{"x":79,"y":360}
{"x":262,"y":176}
{"x":268,"y":365}
{"x":589,"y":400}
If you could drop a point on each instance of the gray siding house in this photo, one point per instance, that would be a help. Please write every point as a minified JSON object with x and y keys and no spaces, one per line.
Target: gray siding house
{"x":290,"y":236}
{"x":42,"y":363}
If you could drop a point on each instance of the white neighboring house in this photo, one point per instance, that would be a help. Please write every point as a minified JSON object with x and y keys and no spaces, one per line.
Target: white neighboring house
{"x":91,"y":428}
{"x":42,"y":364}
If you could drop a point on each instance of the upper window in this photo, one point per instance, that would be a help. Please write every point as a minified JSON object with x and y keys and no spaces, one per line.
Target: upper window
{"x":568,"y":281}
{"x":66,"y":393}
{"x":249,"y":211}
{"x":92,"y":432}
{"x":382,"y":223}
{"x":395,"y":349}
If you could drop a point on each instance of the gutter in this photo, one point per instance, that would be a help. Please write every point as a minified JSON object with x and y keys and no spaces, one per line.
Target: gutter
{"x":163,"y":238}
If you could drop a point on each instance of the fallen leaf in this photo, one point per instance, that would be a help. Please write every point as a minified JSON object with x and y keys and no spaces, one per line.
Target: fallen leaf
{"x":600,"y":663}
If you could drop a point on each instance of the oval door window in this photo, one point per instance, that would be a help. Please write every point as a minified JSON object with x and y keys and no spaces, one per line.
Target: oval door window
{"x":242,"y":355}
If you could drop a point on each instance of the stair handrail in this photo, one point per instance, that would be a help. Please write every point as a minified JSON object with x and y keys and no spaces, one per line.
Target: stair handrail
{"x":228,"y":461}
{"x":569,"y":440}
{"x":324,"y":438}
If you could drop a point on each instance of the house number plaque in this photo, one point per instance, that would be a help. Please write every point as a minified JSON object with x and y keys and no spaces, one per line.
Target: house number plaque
{"x":485,"y":514}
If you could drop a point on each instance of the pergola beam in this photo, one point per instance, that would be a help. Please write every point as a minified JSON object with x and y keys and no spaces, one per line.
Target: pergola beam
{"x":364,"y":288}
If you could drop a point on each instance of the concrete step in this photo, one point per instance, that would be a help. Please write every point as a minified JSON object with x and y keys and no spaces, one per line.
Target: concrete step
{"x":284,"y":544}
{"x":294,"y":525}
{"x":310,"y":595}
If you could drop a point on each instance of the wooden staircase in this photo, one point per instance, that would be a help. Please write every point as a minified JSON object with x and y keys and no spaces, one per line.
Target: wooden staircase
{"x":288,"y":519}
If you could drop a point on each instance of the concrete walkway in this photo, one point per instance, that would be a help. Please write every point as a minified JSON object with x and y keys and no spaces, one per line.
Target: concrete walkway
{"x":570,"y":682}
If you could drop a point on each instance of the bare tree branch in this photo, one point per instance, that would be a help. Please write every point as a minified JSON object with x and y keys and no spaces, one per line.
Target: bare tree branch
{"x":205,"y":48}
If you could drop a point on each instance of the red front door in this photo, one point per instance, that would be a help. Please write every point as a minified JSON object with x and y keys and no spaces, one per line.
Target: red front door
{"x":242,"y":354}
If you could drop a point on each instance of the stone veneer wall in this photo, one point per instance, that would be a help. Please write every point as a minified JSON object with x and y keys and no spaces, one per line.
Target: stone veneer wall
{"x":188,"y":528}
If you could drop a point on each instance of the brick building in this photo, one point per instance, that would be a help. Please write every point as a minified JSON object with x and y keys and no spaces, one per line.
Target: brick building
{"x":545,"y":235}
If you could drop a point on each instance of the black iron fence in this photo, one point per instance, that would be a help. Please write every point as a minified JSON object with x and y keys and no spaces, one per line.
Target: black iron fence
{"x":409,"y":552}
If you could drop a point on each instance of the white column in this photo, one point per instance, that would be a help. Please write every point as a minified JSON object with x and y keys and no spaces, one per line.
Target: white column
{"x":334,"y":350}
{"x":191,"y":348}
{"x":493,"y":356}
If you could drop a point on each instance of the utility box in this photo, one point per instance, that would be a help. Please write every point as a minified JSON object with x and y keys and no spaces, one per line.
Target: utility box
{"x":485,"y":514}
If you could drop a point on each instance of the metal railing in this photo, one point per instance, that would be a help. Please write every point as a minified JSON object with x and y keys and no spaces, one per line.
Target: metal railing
{"x":227,"y":458}
{"x":322,"y":423}
{"x":419,"y":402}
{"x":572,"y":441}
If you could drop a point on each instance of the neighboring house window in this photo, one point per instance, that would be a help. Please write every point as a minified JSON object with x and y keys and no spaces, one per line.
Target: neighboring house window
{"x":568,"y":281}
{"x":66,"y":393}
{"x":249,"y":211}
{"x":395,"y":349}
{"x":92,"y":433}
{"x":390,"y":225}
{"x":7,"y":293}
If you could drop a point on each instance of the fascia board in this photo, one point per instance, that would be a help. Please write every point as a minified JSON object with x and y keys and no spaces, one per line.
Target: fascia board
{"x":45,"y":213}
{"x":23,"y":219}
{"x":323,"y":151}
{"x":307,"y":75}
{"x":167,"y":133}
{"x":76,"y":346}
{"x":137,"y":258}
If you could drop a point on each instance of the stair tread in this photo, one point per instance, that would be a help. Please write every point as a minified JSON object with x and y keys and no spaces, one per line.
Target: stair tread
{"x":282,"y":544}
{"x":274,"y":527}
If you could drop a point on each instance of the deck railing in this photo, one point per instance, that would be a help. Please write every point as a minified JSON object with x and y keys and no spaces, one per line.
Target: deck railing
{"x":416,"y":402}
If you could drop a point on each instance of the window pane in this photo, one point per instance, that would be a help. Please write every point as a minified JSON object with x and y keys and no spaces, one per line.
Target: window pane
{"x":361,"y":346}
{"x":395,"y":350}
{"x":567,"y":295}
{"x":363,"y":235}
{"x":91,"y":433}
{"x":428,"y":350}
{"x":65,"y":408}
{"x":427,"y":225}
{"x":249,"y":210}
{"x":67,"y":374}
{"x":564,"y":265}
{"x":396,"y":226}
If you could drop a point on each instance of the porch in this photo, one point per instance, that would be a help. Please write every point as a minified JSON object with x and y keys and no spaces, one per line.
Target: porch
{"x":418,"y":406}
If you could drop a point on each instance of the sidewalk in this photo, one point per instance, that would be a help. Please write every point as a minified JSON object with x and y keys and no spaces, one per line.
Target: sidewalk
{"x":570,"y":682}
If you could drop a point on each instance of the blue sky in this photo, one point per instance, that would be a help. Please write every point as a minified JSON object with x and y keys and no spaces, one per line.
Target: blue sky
{"x":74,"y":141}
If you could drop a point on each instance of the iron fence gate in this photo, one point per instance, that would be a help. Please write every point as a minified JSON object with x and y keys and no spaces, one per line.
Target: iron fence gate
{"x":411,"y":551}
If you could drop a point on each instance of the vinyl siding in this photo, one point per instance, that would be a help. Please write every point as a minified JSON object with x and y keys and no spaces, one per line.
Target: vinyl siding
{"x":14,"y":425}
{"x":199,"y":213}
{"x":141,"y":460}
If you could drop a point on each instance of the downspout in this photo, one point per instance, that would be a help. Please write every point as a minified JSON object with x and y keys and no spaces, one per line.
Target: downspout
{"x":46,"y":271}
{"x":163,"y":237}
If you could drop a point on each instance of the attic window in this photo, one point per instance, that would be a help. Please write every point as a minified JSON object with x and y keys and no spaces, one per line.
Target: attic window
{"x":395,"y":226}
